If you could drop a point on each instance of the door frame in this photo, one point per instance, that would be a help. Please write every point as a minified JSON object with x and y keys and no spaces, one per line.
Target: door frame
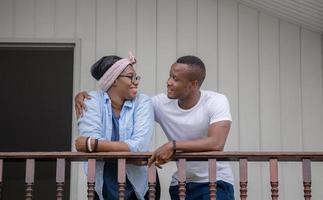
{"x":75,"y":43}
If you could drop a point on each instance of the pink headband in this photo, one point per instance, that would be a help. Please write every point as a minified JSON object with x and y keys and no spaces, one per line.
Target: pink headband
{"x":114,"y":71}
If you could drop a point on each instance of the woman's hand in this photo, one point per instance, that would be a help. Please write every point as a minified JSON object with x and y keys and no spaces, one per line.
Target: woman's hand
{"x":80,"y":144}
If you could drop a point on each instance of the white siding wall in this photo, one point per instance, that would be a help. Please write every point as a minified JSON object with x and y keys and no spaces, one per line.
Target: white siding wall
{"x":270,"y":69}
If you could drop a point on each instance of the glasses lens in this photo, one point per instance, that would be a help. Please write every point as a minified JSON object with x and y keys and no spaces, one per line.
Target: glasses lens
{"x":135,"y":78}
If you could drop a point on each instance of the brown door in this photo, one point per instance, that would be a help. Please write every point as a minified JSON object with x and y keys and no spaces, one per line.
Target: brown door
{"x":36,"y":88}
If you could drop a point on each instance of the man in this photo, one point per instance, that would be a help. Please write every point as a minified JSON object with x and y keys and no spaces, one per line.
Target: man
{"x":193,"y":120}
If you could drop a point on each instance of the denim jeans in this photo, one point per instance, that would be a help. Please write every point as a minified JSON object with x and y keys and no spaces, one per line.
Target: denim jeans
{"x":200,"y":191}
{"x":133,"y":196}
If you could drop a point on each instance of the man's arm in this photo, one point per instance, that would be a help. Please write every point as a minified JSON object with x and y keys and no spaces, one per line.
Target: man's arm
{"x":217,"y":135}
{"x":79,"y":103}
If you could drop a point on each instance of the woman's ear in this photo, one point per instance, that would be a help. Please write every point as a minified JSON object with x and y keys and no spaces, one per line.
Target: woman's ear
{"x":115,"y":83}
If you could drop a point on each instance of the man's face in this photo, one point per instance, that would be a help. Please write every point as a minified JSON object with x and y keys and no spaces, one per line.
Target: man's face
{"x":178,"y":84}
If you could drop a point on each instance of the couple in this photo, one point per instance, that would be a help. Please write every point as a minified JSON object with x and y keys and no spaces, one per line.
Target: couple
{"x":116,"y":118}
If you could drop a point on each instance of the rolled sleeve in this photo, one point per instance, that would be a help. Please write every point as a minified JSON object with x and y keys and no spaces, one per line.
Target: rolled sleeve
{"x":143,"y":125}
{"x":90,"y":124}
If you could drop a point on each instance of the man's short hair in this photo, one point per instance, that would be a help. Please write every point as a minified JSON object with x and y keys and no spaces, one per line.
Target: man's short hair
{"x":197,"y":67}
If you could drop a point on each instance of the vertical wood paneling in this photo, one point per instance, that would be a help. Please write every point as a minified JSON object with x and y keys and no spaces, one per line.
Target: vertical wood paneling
{"x":85,"y":29}
{"x":24,"y":18}
{"x":269,"y":91}
{"x":269,"y":83}
{"x":186,"y":27}
{"x":166,"y":41}
{"x":65,"y":20}
{"x":249,"y":91}
{"x":311,"y":77}
{"x":290,"y":106}
{"x":126,"y":27}
{"x":7,"y":18}
{"x":106,"y":28}
{"x":248,"y":78}
{"x":311,"y":80}
{"x":45,"y":18}
{"x":228,"y":64}
{"x":228,"y":71}
{"x":166,"y":56}
{"x":207,"y":36}
{"x":146,"y":45}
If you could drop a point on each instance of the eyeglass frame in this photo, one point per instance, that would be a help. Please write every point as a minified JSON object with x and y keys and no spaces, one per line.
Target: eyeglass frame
{"x":132,"y":78}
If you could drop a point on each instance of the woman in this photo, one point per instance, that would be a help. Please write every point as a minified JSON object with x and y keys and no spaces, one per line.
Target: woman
{"x":117,"y":119}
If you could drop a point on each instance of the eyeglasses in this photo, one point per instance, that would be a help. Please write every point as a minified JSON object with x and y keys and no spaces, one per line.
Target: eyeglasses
{"x":132,"y":78}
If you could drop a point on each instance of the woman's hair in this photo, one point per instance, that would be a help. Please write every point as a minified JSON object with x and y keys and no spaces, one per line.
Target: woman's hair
{"x":102,"y":65}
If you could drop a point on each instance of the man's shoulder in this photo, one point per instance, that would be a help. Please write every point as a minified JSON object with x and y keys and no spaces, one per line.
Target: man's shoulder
{"x":160,"y":98}
{"x":213,"y":96}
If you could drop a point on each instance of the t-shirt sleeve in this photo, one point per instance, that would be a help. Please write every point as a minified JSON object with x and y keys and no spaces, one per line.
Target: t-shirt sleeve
{"x":219,"y":109}
{"x":156,"y":102}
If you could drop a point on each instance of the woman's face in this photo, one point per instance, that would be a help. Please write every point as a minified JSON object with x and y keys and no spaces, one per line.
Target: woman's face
{"x":127,"y":84}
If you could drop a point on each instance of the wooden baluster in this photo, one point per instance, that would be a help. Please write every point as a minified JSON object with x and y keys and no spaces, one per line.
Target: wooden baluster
{"x":1,"y":170}
{"x":307,"y":178}
{"x":29,"y":179}
{"x":152,"y":182}
{"x":212,"y":178}
{"x":243,"y":167}
{"x":60,"y":178}
{"x":91,"y":179}
{"x":273,"y":168}
{"x":182,"y":178}
{"x":122,"y":178}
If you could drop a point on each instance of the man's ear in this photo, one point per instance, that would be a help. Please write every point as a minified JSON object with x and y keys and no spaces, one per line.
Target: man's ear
{"x":195,"y":84}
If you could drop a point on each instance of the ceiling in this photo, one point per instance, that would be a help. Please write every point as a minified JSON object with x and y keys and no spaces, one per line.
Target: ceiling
{"x":306,"y":13}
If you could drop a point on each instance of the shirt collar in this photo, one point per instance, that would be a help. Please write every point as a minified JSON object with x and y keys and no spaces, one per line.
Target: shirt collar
{"x":127,"y":103}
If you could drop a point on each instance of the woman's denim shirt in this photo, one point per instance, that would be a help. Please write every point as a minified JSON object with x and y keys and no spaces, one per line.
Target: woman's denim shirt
{"x":136,"y":126}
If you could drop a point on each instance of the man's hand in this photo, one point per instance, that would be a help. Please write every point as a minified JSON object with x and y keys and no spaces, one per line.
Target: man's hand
{"x":79,"y":103}
{"x":162,"y":155}
{"x":80,"y":144}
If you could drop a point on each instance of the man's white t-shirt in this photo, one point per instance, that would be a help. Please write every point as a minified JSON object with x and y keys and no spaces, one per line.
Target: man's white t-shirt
{"x":179,"y":124}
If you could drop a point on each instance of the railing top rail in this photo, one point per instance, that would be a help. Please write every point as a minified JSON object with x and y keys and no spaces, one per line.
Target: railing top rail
{"x":222,"y":156}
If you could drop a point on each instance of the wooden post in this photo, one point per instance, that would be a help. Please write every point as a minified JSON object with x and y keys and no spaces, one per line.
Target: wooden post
{"x":243,"y":167}
{"x":152,"y":181}
{"x":307,"y":181}
{"x":273,"y":168}
{"x":212,"y":178}
{"x":122,"y":178}
{"x":91,"y":179}
{"x":182,"y":178}
{"x":60,"y":178}
{"x":29,"y":179}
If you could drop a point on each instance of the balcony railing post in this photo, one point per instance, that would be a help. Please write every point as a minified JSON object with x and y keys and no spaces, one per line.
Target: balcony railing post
{"x":212,"y":178}
{"x":122,"y":178}
{"x":182,"y":179}
{"x":307,"y":178}
{"x":30,"y":175}
{"x":91,"y":179}
{"x":273,"y":168}
{"x":152,"y":182}
{"x":243,"y":171}
{"x":1,"y":170}
{"x":60,"y":178}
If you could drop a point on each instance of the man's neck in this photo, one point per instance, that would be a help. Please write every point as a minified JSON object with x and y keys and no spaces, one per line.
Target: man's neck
{"x":190,"y":101}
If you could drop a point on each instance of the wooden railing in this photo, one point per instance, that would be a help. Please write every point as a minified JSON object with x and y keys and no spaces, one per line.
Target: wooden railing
{"x":212,"y":157}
